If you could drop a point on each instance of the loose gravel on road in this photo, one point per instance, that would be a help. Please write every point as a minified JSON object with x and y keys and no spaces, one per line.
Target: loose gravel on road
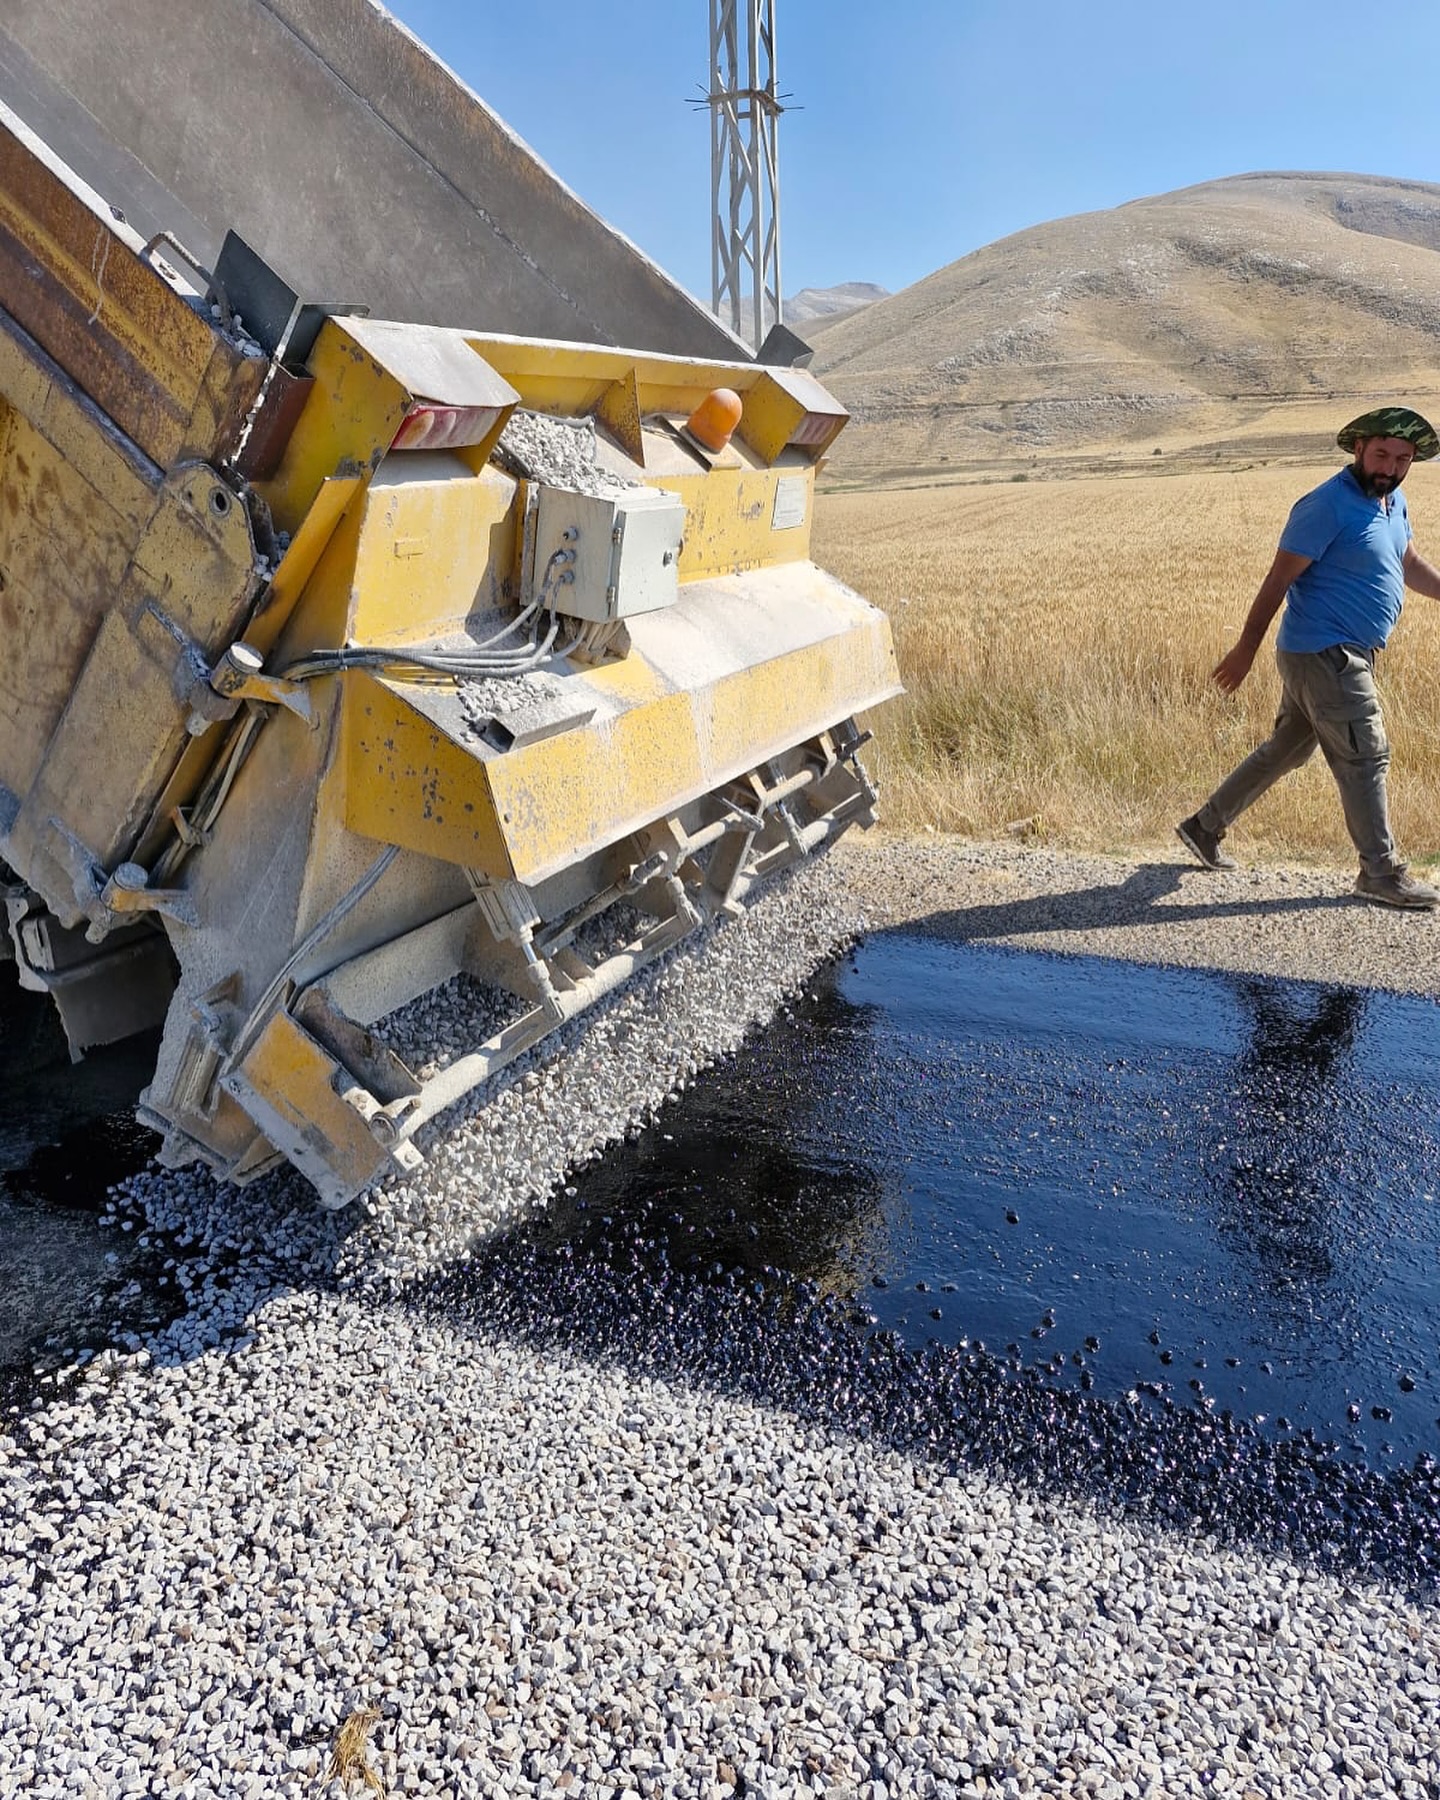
{"x":1304,"y":923}
{"x":333,"y":1490}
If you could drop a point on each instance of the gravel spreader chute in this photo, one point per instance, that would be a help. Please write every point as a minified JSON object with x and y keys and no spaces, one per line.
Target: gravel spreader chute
{"x":344,"y":656}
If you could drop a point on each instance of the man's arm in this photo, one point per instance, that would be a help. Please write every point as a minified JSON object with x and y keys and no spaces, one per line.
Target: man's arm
{"x":1424,"y":577}
{"x":1287,"y":567}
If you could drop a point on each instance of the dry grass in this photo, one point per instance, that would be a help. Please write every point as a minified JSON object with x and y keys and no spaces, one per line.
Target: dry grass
{"x":350,"y":1760}
{"x":1056,"y":638}
{"x":1238,"y":436}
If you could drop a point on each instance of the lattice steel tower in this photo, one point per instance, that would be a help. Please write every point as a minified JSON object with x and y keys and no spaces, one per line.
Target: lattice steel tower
{"x":744,"y":167}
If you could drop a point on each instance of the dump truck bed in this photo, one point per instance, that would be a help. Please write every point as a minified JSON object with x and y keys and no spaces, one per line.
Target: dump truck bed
{"x":328,"y":136}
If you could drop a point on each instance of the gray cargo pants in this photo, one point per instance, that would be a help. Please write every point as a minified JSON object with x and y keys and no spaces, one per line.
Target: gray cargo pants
{"x":1329,"y":699}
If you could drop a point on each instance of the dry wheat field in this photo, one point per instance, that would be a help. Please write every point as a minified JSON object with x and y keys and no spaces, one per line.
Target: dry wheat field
{"x":1056,"y":637}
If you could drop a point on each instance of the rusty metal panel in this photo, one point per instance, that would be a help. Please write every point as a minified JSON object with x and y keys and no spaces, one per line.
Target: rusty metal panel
{"x":119,"y":475}
{"x":63,"y":553}
{"x":71,"y":275}
{"x":189,"y":584}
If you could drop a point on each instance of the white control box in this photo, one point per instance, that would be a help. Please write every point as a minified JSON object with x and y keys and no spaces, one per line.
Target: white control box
{"x":606,"y":556}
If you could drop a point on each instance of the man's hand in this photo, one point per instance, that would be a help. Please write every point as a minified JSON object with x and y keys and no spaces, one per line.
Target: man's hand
{"x":1233,"y":667}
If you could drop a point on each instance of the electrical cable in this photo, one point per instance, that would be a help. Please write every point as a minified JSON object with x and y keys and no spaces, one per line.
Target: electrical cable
{"x":482,"y":660}
{"x":476,"y":662}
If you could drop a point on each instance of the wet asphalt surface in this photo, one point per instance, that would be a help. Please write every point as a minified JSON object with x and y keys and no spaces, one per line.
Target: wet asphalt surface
{"x":1163,"y":1237}
{"x":1200,"y":1186}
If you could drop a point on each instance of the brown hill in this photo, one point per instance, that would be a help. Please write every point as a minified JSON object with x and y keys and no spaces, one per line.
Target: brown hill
{"x":817,"y":308}
{"x":1241,"y":317}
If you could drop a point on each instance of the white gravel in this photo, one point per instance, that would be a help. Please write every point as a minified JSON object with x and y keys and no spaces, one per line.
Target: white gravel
{"x":562,"y":453}
{"x":552,"y":1577}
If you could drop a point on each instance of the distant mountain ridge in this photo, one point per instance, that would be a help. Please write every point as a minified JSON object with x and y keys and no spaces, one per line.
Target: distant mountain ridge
{"x":812,"y":304}
{"x":1171,"y":317}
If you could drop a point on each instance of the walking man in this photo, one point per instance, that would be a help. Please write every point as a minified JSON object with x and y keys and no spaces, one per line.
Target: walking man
{"x":1344,"y":562}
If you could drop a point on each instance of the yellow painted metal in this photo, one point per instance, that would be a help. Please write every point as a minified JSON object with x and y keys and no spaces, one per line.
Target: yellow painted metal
{"x":322,"y":617}
{"x":408,"y":783}
{"x":417,"y":776}
{"x":301,"y":559}
{"x":126,"y":560}
{"x":631,"y":681}
{"x":575,"y":379}
{"x":359,"y":400}
{"x":349,"y":422}
{"x":618,"y":410}
{"x":591,"y":786}
{"x":729,"y":516}
{"x":432,"y":548}
{"x":731,"y":505}
{"x":573,"y":376}
{"x":366,"y":375}
{"x":116,"y":475}
{"x":186,"y":590}
{"x":566,"y":796}
{"x":294,"y":1075}
{"x":409,"y":558}
{"x":776,"y":406}
{"x":129,"y":573}
{"x":755,"y":713}
{"x":429,"y":543}
{"x":64,"y":552}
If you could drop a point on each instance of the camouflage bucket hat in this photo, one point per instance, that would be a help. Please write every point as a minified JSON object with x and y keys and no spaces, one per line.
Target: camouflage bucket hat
{"x":1393,"y":422}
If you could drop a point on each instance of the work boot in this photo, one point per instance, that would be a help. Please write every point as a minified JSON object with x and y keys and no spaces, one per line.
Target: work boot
{"x":1397,"y":887}
{"x":1205,"y":844}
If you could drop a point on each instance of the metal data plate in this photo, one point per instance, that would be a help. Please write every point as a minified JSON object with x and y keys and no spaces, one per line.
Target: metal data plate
{"x":625,"y":548}
{"x":791,"y":496}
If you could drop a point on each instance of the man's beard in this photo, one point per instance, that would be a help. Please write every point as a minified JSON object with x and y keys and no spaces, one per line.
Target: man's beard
{"x":1375,"y":485}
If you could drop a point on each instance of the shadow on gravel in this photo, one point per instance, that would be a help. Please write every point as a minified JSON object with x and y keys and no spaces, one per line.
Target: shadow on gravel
{"x":84,"y":1278}
{"x":1138,"y":900}
{"x":784,"y":1345}
{"x":66,"y":1133}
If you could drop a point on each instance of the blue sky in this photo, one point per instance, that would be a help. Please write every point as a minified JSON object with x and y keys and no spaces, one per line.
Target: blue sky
{"x":931,"y":127}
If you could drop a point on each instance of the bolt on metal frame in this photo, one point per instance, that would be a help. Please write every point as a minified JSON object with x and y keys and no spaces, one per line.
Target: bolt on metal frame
{"x":745,"y":110}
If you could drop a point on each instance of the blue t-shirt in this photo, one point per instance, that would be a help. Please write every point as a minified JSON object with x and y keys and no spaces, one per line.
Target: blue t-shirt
{"x":1353,"y":589}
